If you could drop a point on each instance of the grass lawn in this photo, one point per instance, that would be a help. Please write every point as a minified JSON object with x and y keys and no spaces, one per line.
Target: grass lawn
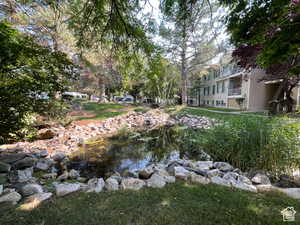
{"x":220,"y":109}
{"x":99,"y":111}
{"x":176,"y":204}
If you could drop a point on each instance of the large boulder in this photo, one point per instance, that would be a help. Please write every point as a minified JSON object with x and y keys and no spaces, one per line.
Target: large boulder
{"x":25,"y":163}
{"x":12,"y":197}
{"x":156,"y":181}
{"x":291,"y":192}
{"x":59,"y":156}
{"x":199,"y":179}
{"x":261,"y":178}
{"x":181,"y":173}
{"x":244,"y":186}
{"x":63,"y":176}
{"x":3,"y":178}
{"x":1,"y":189}
{"x":203,"y":165}
{"x":11,"y":157}
{"x":4,"y":167}
{"x":30,"y":189}
{"x":220,"y":181}
{"x":147,"y":172}
{"x":43,"y":165}
{"x":96,"y":185}
{"x":111,"y":184}
{"x":132,"y":184}
{"x":21,"y":176}
{"x":223,"y":166}
{"x":66,"y":188}
{"x":214,"y":172}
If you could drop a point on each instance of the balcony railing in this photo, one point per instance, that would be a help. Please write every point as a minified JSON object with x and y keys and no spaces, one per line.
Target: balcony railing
{"x":234,"y":91}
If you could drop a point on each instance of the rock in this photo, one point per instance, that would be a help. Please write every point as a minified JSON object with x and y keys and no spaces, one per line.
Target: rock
{"x":42,"y":165}
{"x":25,"y":163}
{"x":1,"y":189}
{"x":44,"y":134}
{"x":111,"y":184}
{"x":12,"y":197}
{"x":4,"y":167}
{"x":30,"y":189}
{"x":39,"y":197}
{"x":265,"y":187}
{"x":42,"y":154}
{"x":244,"y":179}
{"x":59,"y":156}
{"x":204,"y":165}
{"x":21,"y":176}
{"x":74,"y":174}
{"x":214,"y":172}
{"x":66,"y":188}
{"x":199,"y":179}
{"x":231,"y":176}
{"x":63,"y":176}
{"x":147,"y":172}
{"x":171,"y":167}
{"x":223,"y":166}
{"x":96,"y":185}
{"x":181,"y":173}
{"x":220,"y":181}
{"x":132,"y":184}
{"x":11,"y":157}
{"x":49,"y":175}
{"x":291,"y":192}
{"x":244,"y":186}
{"x":260,"y":178}
{"x":156,"y":181}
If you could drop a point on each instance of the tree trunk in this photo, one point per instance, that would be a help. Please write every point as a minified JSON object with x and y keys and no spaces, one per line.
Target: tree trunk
{"x":184,"y":65}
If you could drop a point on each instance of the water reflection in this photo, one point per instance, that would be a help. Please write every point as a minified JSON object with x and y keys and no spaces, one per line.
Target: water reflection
{"x":126,"y":154}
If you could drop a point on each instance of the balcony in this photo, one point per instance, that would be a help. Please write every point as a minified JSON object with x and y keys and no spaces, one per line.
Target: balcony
{"x":234,"y":91}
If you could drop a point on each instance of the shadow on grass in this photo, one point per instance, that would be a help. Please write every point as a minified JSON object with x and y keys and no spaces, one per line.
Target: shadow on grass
{"x":176,"y":204}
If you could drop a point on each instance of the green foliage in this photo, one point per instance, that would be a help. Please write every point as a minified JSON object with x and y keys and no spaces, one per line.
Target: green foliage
{"x":250,"y":143}
{"x":274,"y":26}
{"x":27,"y":71}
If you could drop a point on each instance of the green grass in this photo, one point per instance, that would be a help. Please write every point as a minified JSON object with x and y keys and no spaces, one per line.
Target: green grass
{"x":103,"y":111}
{"x":176,"y":204}
{"x":220,"y":109}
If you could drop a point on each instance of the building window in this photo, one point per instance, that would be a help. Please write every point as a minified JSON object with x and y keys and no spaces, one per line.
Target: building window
{"x":223,"y":86}
{"x":208,"y":90}
{"x":207,"y":102}
{"x":213,"y":102}
{"x":213,"y":89}
{"x":218,"y":84}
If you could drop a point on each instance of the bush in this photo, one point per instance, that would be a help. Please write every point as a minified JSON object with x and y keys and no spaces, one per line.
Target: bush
{"x":27,"y":72}
{"x":250,"y":143}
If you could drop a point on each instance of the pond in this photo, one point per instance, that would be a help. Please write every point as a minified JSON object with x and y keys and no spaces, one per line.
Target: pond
{"x":128,"y":152}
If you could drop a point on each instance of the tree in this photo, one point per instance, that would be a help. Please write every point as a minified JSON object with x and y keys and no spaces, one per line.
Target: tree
{"x":27,"y":70}
{"x":267,"y":35}
{"x":190,"y":28}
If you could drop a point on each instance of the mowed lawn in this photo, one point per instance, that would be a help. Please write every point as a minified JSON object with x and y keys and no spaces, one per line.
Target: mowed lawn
{"x":99,"y":111}
{"x":175,"y":204}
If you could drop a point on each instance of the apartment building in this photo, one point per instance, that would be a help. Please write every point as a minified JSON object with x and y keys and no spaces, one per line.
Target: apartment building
{"x":231,"y":87}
